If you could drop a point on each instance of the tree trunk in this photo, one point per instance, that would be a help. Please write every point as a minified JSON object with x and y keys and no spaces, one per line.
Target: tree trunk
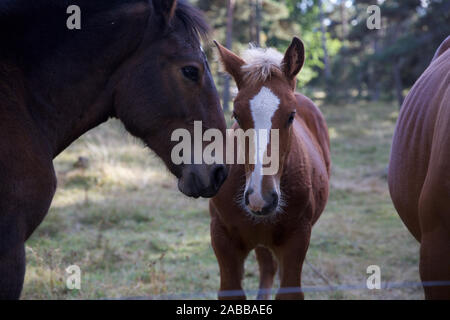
{"x":398,"y":81}
{"x":359,"y":84}
{"x":255,"y":18}
{"x":252,"y":21}
{"x":228,"y":44}
{"x":324,"y":43}
{"x":258,"y":22}
{"x":374,"y":78}
{"x":344,"y":21}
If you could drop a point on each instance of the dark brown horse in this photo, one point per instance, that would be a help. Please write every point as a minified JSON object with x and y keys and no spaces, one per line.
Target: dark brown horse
{"x":419,"y":171}
{"x":272,"y":213}
{"x":137,"y":60}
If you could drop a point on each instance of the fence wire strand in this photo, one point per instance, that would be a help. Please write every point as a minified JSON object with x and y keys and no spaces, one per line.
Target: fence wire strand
{"x":306,"y":289}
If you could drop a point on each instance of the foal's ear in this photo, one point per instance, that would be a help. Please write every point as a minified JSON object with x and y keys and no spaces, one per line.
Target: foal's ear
{"x":232,"y":63}
{"x":293,"y":59}
{"x":166,"y":8}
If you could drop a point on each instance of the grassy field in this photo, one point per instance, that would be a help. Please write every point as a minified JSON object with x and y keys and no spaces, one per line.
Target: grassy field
{"x":123,"y":221}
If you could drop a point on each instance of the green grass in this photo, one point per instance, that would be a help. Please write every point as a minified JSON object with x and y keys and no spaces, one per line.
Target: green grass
{"x":123,"y":221}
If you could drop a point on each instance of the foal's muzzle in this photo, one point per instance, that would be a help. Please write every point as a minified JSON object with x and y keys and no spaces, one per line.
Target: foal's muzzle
{"x":202,"y":180}
{"x":261,"y":206}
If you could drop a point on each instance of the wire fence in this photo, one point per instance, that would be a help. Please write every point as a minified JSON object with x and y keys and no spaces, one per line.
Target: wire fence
{"x":310,"y":289}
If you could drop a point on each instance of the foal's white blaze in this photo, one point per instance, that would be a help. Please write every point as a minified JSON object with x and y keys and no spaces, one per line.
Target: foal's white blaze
{"x":263,"y":107}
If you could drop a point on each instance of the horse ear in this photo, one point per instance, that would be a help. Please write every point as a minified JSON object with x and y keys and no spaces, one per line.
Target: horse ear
{"x":293,"y":59}
{"x":166,"y":8}
{"x":232,"y":63}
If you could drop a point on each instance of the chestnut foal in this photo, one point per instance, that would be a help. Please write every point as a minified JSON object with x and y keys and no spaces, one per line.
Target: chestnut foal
{"x":271,"y":213}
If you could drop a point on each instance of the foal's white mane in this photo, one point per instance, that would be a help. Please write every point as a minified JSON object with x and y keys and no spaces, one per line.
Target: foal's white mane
{"x":261,"y":64}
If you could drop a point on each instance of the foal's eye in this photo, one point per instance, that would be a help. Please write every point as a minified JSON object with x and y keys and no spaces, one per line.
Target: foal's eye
{"x":291,"y":118}
{"x":191,"y":72}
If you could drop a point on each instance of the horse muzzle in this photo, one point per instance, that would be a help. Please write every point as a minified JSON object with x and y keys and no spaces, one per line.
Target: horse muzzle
{"x":261,"y":206}
{"x":199,"y":180}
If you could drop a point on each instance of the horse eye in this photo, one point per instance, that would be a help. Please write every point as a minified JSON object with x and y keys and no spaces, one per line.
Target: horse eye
{"x":291,"y":118}
{"x":191,"y":72}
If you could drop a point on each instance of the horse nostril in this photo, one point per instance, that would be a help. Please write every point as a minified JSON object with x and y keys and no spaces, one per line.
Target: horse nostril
{"x":246,"y":195}
{"x":195,"y":184}
{"x":274,"y":199}
{"x":219,"y":175}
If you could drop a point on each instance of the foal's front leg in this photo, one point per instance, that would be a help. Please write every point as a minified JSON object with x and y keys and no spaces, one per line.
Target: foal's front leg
{"x":291,"y":257}
{"x":267,"y":270}
{"x":231,"y":257}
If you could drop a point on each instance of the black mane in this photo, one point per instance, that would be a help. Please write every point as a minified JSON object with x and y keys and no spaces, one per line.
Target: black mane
{"x":192,"y":19}
{"x":26,"y":24}
{"x":22,"y":10}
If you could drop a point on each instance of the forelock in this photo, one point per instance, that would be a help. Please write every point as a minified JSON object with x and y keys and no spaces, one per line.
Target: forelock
{"x":261,"y":64}
{"x":193,"y":20}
